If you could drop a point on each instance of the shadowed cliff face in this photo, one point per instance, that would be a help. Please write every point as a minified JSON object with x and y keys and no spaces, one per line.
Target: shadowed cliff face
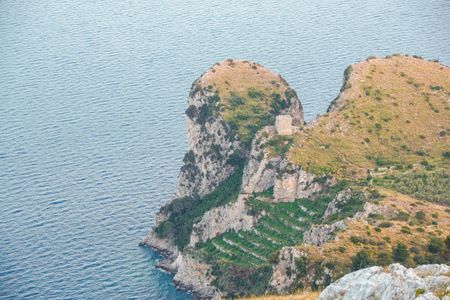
{"x":228,"y":104}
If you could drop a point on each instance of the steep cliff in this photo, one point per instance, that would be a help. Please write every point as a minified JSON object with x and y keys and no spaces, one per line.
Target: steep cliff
{"x":256,"y":211}
{"x":227,"y":105}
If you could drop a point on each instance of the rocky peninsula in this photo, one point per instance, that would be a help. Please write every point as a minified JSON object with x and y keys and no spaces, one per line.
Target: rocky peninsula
{"x":268,"y":204}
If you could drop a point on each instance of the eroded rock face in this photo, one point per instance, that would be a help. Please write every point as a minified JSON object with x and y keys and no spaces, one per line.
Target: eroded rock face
{"x":233,"y":216}
{"x":263,"y":171}
{"x":284,"y":274}
{"x":285,"y":271}
{"x":318,"y":235}
{"x":295,"y":183}
{"x":191,"y":276}
{"x":395,"y":282}
{"x":296,"y":111}
{"x":370,"y":208}
{"x":340,"y":200}
{"x":209,"y":147}
{"x":164,"y":247}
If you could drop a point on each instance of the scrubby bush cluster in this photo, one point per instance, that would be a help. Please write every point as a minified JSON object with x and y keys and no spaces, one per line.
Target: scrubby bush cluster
{"x":437,"y":251}
{"x":432,"y":186}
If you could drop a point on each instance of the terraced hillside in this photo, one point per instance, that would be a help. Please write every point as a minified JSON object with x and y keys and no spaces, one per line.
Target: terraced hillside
{"x":367,"y":183}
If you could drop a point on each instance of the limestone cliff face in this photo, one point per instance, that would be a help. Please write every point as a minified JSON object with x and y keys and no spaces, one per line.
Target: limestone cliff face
{"x":209,"y":147}
{"x":318,"y":235}
{"x":233,"y":216}
{"x":263,"y":171}
{"x":191,"y":276}
{"x":293,"y":261}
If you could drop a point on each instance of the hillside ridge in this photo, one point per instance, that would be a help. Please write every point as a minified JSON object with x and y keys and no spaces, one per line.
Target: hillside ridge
{"x":257,"y":212}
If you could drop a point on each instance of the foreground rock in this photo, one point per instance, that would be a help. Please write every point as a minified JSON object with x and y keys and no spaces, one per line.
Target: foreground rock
{"x":395,"y":282}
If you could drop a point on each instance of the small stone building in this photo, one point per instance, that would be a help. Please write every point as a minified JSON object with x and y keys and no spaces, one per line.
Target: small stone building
{"x":283,"y":124}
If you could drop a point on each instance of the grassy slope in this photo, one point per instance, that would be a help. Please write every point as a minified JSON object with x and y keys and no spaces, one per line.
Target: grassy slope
{"x":421,"y":231}
{"x":247,"y":94}
{"x":388,"y":116}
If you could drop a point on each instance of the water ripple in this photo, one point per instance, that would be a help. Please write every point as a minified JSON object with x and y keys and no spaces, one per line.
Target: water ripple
{"x":92,"y":128}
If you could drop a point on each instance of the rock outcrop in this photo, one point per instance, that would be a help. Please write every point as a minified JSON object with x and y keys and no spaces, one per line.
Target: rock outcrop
{"x":370,"y":208}
{"x":263,"y":171}
{"x":292,"y":263}
{"x":165,"y":248}
{"x":295,"y":183}
{"x":191,"y":276}
{"x":215,"y":152}
{"x":333,"y":206}
{"x":318,"y":235}
{"x":210,"y":145}
{"x":395,"y":282}
{"x":233,"y":216}
{"x":189,"y":273}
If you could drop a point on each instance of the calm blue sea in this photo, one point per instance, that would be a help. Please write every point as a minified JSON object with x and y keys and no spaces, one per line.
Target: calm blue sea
{"x":92,"y":127}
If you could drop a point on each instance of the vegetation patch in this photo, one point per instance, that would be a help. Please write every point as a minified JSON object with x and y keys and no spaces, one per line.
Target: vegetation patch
{"x":433,"y":186}
{"x":185,"y":212}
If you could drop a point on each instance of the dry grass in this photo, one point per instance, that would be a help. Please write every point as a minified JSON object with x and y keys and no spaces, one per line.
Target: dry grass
{"x":390,"y":112}
{"x":302,"y":296}
{"x":237,"y":76}
{"x":400,"y":202}
{"x":246,"y":92}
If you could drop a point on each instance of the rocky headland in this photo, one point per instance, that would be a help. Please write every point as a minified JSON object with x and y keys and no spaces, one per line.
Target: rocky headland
{"x":269,"y":204}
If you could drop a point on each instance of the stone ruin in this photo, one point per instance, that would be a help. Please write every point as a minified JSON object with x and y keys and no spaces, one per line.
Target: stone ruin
{"x":283,"y":125}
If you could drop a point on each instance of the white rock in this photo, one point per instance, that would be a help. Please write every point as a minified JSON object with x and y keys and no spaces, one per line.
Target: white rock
{"x":395,"y":282}
{"x":233,"y":216}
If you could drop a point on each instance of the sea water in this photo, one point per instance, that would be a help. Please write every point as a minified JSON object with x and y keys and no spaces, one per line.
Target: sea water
{"x":92,"y":126}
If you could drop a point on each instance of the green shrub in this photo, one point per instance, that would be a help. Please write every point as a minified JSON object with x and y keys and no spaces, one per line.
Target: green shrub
{"x":377,"y":229}
{"x":274,"y":257}
{"x":355,"y":239}
{"x":362,"y":260}
{"x":420,"y":152}
{"x":420,"y":292}
{"x":402,"y":216}
{"x":420,"y":215}
{"x":436,"y":245}
{"x":385,"y":224}
{"x":400,"y":252}
{"x":405,"y":230}
{"x":435,"y":215}
{"x":384,"y":258}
